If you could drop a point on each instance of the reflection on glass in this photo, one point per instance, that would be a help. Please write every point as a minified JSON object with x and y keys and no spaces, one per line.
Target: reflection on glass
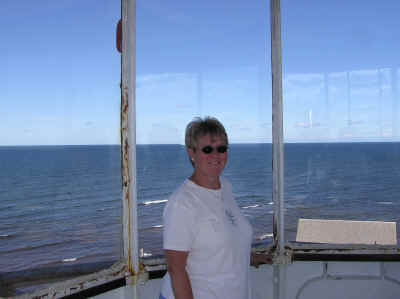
{"x":202,"y":58}
{"x":60,"y":186}
{"x":341,"y":108}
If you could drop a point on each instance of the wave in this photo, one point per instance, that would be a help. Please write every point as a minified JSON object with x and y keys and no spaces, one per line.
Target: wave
{"x":252,"y":206}
{"x":73,"y":259}
{"x":265,"y":236}
{"x":103,"y":209}
{"x":144,"y":254}
{"x":256,"y":205}
{"x":151,"y":202}
{"x":157,"y":226}
{"x":151,"y":228}
{"x":7,"y":236}
{"x":83,"y":260}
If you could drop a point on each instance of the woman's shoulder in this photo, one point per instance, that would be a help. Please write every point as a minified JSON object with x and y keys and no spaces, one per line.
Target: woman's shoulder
{"x":226,"y":184}
{"x":182,"y":196}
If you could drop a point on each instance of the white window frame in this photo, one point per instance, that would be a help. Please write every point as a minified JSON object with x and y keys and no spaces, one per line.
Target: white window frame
{"x":130,"y":267}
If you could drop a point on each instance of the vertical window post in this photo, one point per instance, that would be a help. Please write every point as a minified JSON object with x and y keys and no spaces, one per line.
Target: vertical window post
{"x":277,"y":124}
{"x":394,"y":78}
{"x":279,"y":270}
{"x":128,"y":136}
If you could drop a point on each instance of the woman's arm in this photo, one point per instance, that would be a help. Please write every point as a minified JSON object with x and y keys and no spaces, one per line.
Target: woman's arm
{"x":176,"y":267}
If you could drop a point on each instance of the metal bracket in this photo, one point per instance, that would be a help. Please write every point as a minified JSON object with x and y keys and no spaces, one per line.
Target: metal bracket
{"x":282,"y":257}
{"x":137,"y":279}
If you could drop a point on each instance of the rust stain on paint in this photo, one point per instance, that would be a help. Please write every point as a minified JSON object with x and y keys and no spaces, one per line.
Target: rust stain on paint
{"x":125,"y":165}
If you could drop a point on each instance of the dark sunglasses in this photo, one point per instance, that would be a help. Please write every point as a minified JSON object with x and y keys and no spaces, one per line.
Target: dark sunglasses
{"x":208,"y":149}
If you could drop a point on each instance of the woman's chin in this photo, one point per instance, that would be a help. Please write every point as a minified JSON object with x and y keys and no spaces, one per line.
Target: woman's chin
{"x":214,"y":172}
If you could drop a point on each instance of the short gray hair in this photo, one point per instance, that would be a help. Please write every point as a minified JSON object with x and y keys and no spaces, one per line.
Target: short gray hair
{"x":199,"y":127}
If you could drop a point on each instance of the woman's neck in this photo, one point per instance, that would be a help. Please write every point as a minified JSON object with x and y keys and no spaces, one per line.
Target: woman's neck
{"x":206,"y":181}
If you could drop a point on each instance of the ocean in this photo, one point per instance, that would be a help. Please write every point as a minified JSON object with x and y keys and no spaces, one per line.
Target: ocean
{"x":61,"y":205}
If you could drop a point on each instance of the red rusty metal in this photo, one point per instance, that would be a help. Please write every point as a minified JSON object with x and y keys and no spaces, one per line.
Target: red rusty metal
{"x":119,"y":36}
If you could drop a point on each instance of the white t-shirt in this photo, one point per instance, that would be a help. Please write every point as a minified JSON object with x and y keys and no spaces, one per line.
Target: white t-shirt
{"x":209,"y":225}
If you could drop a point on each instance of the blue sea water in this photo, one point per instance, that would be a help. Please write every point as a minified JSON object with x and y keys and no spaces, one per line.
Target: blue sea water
{"x":62,"y":204}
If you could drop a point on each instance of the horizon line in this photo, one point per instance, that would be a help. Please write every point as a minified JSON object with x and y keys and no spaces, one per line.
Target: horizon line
{"x":287,"y":142}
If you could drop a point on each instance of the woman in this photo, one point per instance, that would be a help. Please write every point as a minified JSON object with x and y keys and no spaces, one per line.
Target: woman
{"x":207,"y":240}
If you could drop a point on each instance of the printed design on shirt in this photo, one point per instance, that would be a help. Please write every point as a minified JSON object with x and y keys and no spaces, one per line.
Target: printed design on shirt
{"x":231,"y":218}
{"x":214,"y":224}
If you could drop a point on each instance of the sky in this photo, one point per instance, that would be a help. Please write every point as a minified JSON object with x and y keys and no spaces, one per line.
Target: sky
{"x":60,"y":71}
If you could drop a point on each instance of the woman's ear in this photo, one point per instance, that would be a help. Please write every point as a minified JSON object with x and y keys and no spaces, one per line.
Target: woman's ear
{"x":190,"y":154}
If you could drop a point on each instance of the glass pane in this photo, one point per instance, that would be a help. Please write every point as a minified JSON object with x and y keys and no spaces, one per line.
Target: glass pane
{"x":341,"y":79}
{"x":197,"y":59}
{"x":60,"y":186}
